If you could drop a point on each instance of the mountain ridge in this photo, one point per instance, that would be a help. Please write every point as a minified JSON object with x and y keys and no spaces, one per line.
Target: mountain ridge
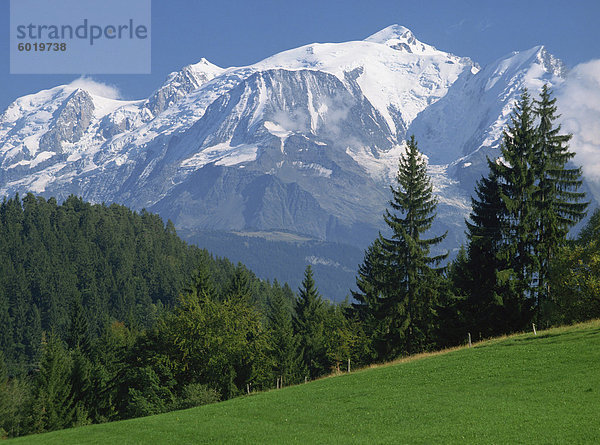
{"x":306,"y":140}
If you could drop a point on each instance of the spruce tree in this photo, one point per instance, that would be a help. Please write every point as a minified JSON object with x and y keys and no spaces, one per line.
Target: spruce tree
{"x":398,"y":281}
{"x":484,"y":235}
{"x":53,"y":400}
{"x":517,"y":187}
{"x":285,"y":347}
{"x":77,"y":335}
{"x":240,"y":285}
{"x":558,"y":202}
{"x":491,"y":306}
{"x":367,"y":308}
{"x":501,"y":233}
{"x":308,"y":325}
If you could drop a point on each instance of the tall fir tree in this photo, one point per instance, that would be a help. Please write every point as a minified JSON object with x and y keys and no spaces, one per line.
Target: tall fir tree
{"x":367,"y":307}
{"x":522,"y":214}
{"x":285,"y":348}
{"x":240,"y":285}
{"x":558,"y":202}
{"x":52,"y":398}
{"x":398,"y":281}
{"x":77,"y":337}
{"x":308,"y":325}
{"x":491,"y":306}
{"x":517,"y":187}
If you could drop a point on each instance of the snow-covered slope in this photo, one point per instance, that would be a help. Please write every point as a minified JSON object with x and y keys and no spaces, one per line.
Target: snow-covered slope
{"x":307,"y":140}
{"x":399,"y":75}
{"x":466,"y":125}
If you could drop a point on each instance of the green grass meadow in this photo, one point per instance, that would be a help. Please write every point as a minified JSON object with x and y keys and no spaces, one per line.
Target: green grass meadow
{"x":521,"y":389}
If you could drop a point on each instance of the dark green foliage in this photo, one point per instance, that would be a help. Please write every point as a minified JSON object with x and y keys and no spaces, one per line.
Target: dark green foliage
{"x":63,"y":267}
{"x":558,"y":201}
{"x":521,"y":216}
{"x":574,"y":277}
{"x":308,"y":326}
{"x":53,"y":405}
{"x":218,"y":343}
{"x":525,"y":390}
{"x":517,"y":181}
{"x":241,"y":283}
{"x":398,"y":282}
{"x":77,"y":337}
{"x":196,"y":394}
{"x":104,"y":281}
{"x":15,"y":403}
{"x":485,"y":277}
{"x":287,"y":360}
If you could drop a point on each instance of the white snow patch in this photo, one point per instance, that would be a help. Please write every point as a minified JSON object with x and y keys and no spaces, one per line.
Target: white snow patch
{"x":277,"y":130}
{"x":222,"y":154}
{"x":318,"y":169}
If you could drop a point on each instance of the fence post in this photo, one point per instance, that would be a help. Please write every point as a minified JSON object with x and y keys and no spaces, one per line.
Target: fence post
{"x":534,"y":331}
{"x":470,"y":344}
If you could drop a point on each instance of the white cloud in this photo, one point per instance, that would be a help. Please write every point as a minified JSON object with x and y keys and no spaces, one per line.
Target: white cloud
{"x":96,"y":88}
{"x":579,"y":104}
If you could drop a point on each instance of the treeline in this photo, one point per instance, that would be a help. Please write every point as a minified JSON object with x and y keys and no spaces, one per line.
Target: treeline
{"x":106,"y":314}
{"x":122,"y":319}
{"x":107,"y":261}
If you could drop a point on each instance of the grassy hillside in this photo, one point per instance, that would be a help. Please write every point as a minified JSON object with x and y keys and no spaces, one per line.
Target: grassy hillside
{"x":520,"y":389}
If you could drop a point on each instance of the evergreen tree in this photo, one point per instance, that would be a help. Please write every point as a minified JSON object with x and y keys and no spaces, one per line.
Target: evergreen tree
{"x":558,"y":202}
{"x":399,"y":278}
{"x":53,"y":401}
{"x":240,"y":285}
{"x":286,"y":357}
{"x":491,"y":306}
{"x":308,"y":325}
{"x":367,"y":307}
{"x":202,"y":285}
{"x":517,"y":187}
{"x":82,"y":392}
{"x":77,"y":334}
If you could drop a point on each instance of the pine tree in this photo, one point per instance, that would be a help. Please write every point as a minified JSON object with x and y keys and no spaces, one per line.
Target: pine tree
{"x":202,"y":286}
{"x":53,"y":402}
{"x":502,"y":233}
{"x":77,"y":334}
{"x":308,"y":325}
{"x":398,"y":280}
{"x":522,"y":214}
{"x":367,"y":307}
{"x":492,"y":306}
{"x":287,"y":360}
{"x":517,"y":187}
{"x":240,"y":286}
{"x":558,"y":203}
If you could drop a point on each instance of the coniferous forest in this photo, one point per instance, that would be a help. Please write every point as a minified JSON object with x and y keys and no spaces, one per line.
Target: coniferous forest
{"x":106,"y":314}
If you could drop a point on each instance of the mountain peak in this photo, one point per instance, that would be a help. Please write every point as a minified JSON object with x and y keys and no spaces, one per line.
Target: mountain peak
{"x":400,"y":38}
{"x":551,"y":63}
{"x":204,"y":66}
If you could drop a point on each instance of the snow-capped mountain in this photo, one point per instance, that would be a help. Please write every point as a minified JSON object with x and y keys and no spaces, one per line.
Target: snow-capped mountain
{"x":307,"y":140}
{"x":466,"y":125}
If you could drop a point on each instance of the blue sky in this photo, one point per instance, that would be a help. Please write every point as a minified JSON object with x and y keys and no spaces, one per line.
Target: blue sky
{"x":237,"y":33}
